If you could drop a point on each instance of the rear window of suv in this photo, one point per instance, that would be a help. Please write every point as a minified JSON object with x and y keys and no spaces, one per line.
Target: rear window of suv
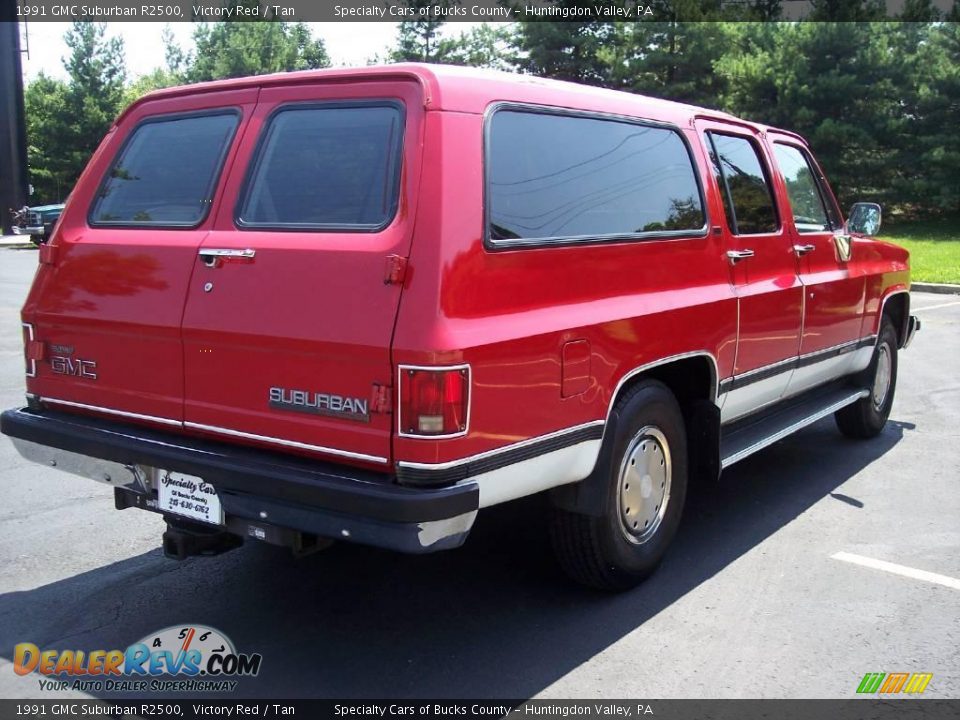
{"x":556,"y":177}
{"x":165,"y":174}
{"x":326,"y":167}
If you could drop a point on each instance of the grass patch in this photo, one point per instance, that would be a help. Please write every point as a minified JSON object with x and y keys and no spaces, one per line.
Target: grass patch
{"x":934,"y":247}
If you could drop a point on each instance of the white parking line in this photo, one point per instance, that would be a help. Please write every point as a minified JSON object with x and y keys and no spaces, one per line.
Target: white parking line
{"x":934,"y":307}
{"x":898,"y":569}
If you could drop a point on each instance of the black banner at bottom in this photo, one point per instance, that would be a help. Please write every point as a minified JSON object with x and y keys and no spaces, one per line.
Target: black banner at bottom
{"x":859,"y":709}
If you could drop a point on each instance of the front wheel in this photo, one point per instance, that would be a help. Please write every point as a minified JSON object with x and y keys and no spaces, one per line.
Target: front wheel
{"x":866,"y":417}
{"x":645,"y":493}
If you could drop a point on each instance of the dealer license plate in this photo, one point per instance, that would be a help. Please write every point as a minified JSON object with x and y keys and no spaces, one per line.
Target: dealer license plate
{"x":190,"y":497}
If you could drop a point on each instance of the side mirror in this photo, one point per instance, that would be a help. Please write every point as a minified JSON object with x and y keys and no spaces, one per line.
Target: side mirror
{"x":864,"y":219}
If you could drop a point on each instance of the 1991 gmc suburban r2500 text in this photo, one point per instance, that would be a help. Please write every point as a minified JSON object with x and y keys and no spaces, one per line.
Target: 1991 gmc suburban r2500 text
{"x":364,"y":304}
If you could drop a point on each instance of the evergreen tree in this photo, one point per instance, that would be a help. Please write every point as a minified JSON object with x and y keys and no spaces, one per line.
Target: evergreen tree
{"x":95,"y":90}
{"x":487,"y":46}
{"x":932,"y":164}
{"x":240,"y":49}
{"x":48,"y":138}
{"x":417,"y":39}
{"x":575,"y":51}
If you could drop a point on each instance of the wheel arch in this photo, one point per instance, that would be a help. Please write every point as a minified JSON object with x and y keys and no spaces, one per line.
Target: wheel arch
{"x":690,"y":377}
{"x":896,"y":306}
{"x":693,"y":378}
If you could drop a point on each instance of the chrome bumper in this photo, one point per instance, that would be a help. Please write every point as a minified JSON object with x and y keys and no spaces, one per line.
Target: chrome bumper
{"x":913,"y":327}
{"x":323,"y":499}
{"x":28,"y":230}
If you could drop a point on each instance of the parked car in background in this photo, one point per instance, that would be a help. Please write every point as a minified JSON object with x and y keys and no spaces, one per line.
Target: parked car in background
{"x":37,"y":221}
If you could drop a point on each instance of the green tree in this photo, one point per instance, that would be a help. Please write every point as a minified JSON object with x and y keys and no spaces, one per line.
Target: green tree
{"x":67,"y":120}
{"x":847,"y":10}
{"x":154,"y":80}
{"x":575,"y":51}
{"x":48,"y":137}
{"x":842,"y":86}
{"x":239,"y":49}
{"x":931,"y":164}
{"x":674,"y":60}
{"x":418,"y":40}
{"x":485,"y":45}
{"x":95,"y":91}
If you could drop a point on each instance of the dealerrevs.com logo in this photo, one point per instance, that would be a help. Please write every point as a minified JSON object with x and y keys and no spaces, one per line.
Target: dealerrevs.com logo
{"x":197,"y":658}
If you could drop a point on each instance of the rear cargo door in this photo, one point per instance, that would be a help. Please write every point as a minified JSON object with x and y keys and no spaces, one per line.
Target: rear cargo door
{"x":109,"y":296}
{"x":294,"y":294}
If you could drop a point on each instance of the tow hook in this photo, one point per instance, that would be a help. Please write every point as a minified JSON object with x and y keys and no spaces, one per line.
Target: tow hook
{"x":181,"y":541}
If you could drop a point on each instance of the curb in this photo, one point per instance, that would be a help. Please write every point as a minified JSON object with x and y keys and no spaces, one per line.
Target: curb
{"x":939,"y":288}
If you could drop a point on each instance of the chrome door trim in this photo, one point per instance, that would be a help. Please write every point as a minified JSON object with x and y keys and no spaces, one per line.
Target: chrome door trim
{"x":111,"y":411}
{"x":771,"y":370}
{"x":285,"y":443}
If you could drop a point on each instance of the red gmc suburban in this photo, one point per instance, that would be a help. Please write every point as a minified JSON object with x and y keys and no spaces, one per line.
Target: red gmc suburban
{"x":364,"y":304}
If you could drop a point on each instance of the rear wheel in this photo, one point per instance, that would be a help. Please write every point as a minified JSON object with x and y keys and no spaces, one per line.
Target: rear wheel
{"x":645,"y":493}
{"x":866,"y":417}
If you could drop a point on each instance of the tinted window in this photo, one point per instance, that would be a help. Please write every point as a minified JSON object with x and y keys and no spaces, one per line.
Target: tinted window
{"x":166,"y":173}
{"x":747,"y":200}
{"x":554,"y":176}
{"x":809,"y":212}
{"x":326,"y":167}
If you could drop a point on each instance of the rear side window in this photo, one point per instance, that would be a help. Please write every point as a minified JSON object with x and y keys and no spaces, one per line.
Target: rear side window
{"x":747,"y":199}
{"x":326,"y":167}
{"x":553,"y":177}
{"x":166,"y":172}
{"x":810,"y":212}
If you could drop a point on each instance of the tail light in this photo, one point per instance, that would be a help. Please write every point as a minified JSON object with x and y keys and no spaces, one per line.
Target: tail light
{"x":434,"y":402}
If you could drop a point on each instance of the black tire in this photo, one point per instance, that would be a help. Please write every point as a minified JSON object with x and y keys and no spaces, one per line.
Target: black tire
{"x":612,"y":551}
{"x":865,"y":418}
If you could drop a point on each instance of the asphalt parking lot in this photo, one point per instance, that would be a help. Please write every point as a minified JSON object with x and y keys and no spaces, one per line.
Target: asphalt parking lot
{"x":751,"y":602}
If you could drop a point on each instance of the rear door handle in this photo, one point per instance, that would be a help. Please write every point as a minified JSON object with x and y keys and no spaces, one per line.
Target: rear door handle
{"x":738,"y":255}
{"x":803,"y":249}
{"x":212,"y":256}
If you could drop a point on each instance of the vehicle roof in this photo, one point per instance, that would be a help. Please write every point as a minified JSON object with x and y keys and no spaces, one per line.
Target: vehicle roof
{"x":468,"y":89}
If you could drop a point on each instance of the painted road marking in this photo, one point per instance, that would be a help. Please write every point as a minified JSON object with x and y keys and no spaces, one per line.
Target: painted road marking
{"x":934,"y":307}
{"x":898,"y":569}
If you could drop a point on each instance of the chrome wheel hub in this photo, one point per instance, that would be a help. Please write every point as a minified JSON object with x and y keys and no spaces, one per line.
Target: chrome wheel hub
{"x":644,"y":485}
{"x":881,"y":378}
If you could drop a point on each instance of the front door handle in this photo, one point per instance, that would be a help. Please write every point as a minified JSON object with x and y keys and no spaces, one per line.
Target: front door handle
{"x":738,"y":255}
{"x":212,"y":256}
{"x":803,"y":249}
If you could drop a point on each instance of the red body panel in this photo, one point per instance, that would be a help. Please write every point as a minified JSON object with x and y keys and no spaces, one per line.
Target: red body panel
{"x":116,"y":295}
{"x":834,"y":288}
{"x":310,"y":311}
{"x":548,"y":333}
